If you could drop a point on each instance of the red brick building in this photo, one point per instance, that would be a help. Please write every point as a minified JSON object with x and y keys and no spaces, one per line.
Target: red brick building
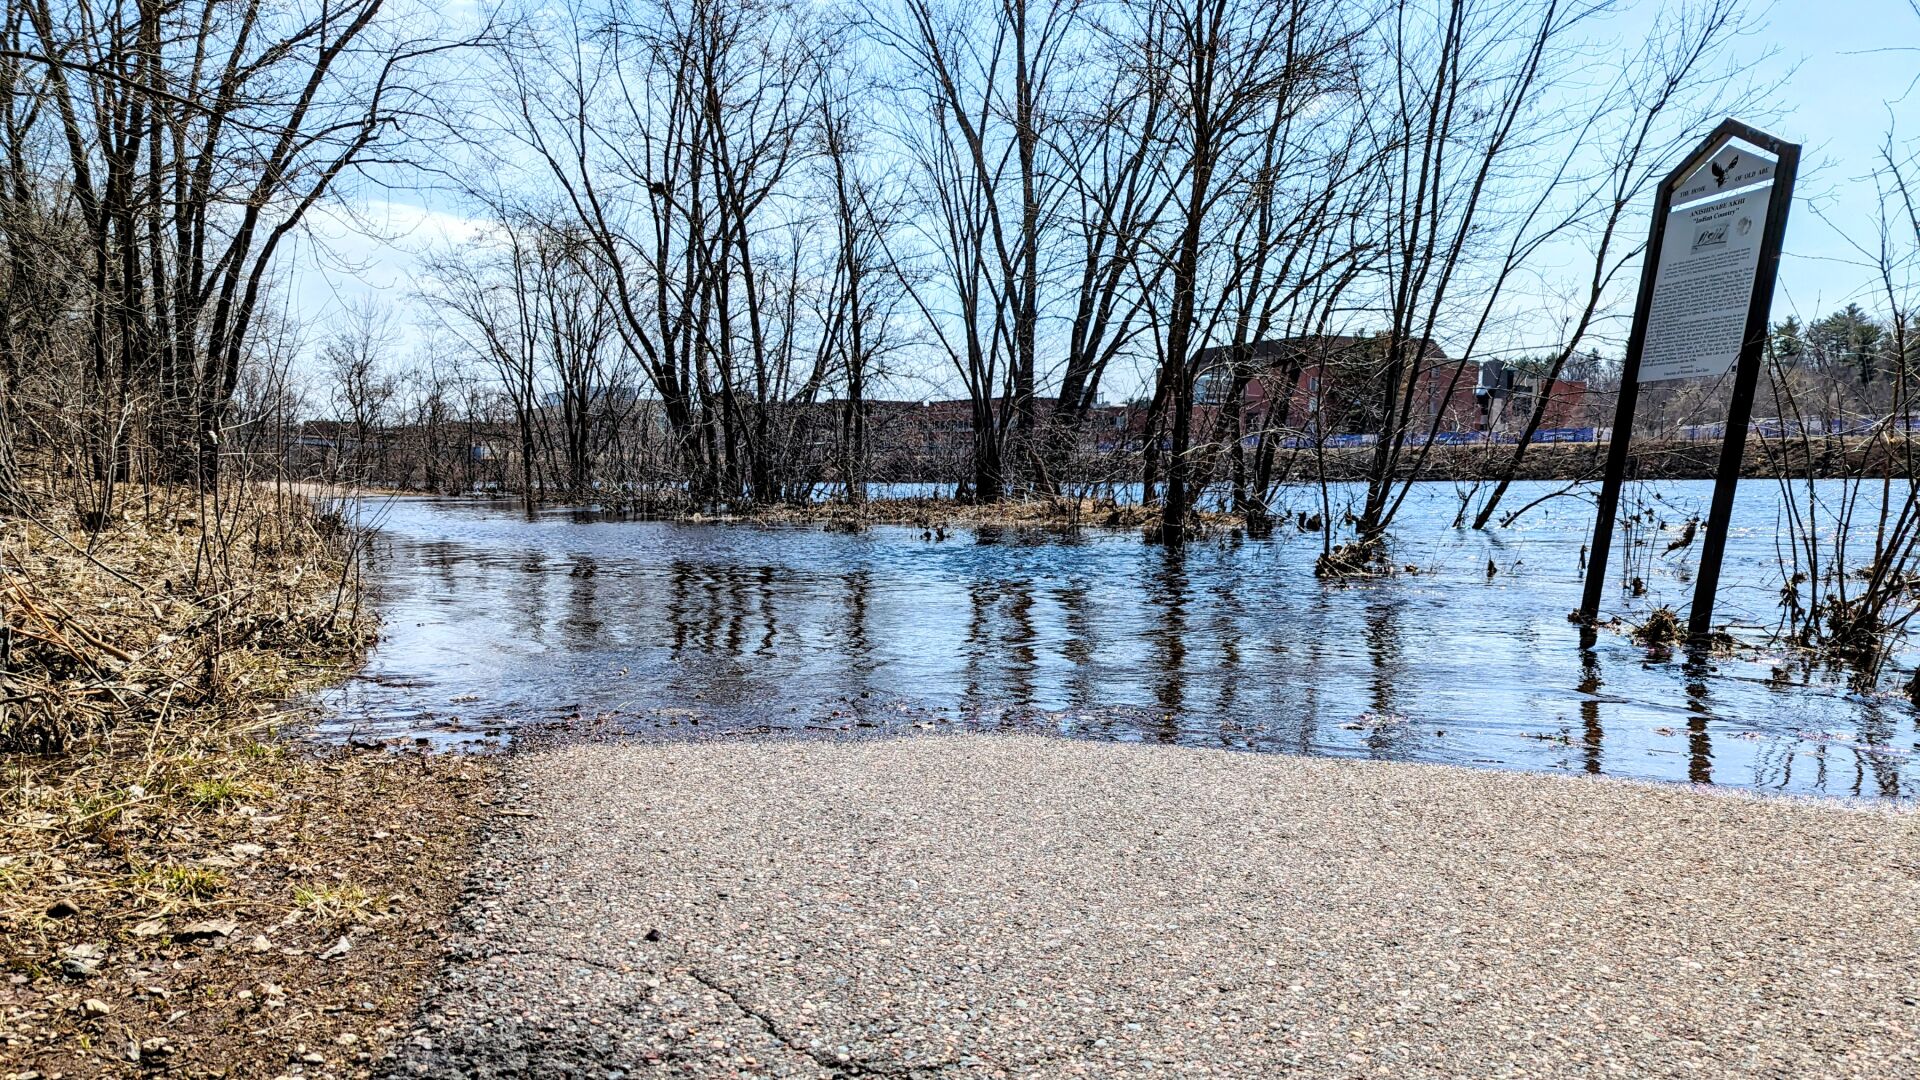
{"x":1334,"y":388}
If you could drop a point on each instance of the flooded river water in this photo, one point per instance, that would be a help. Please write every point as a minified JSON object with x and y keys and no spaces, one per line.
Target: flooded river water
{"x":494,"y":619}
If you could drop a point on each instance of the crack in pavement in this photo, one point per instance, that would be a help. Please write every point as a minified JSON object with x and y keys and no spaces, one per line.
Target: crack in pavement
{"x":852,"y":1067}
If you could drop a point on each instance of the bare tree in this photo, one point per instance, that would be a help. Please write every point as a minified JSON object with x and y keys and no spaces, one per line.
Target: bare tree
{"x":1233,"y":73}
{"x":486,"y":293}
{"x":1850,"y":548}
{"x":980,"y":83}
{"x":195,"y":139}
{"x":1485,"y":167}
{"x":1110,"y":149}
{"x":861,"y":291}
{"x":363,"y":385}
{"x":667,"y":134}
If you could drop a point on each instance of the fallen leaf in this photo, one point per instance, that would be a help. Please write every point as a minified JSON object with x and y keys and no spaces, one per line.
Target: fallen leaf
{"x":206,"y":930}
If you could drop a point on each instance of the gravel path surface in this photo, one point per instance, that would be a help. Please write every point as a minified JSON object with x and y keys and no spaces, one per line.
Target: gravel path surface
{"x":952,"y":906}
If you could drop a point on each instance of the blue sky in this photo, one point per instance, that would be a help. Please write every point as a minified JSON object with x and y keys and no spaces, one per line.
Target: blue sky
{"x":1850,"y":72}
{"x":1856,"y":58}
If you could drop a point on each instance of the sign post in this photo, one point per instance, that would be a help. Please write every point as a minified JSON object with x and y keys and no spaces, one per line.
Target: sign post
{"x":1706,"y":293}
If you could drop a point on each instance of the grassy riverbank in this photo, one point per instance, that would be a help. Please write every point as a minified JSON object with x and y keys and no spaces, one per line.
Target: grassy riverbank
{"x":180,"y":889}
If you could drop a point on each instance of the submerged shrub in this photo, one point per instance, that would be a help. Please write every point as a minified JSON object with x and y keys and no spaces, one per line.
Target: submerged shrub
{"x":1662,"y":628}
{"x":1362,"y":558}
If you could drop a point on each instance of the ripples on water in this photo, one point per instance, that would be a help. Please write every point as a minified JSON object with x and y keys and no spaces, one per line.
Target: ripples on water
{"x":494,"y":619}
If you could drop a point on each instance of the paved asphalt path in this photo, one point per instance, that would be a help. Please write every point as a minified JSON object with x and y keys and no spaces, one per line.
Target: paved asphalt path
{"x":975,"y":906}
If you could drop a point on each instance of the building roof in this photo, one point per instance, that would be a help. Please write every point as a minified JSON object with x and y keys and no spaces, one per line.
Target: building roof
{"x":1308,"y":348}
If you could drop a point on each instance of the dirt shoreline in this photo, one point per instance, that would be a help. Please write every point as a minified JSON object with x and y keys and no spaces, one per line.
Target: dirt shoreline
{"x":186,"y":887}
{"x":254,"y":980}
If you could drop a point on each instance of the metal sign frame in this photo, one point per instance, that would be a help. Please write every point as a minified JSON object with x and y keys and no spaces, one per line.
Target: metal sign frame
{"x":1745,"y":380}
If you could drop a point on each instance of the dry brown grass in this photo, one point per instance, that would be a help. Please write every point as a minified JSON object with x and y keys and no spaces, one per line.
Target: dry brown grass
{"x":216,"y":604}
{"x":171,"y":872}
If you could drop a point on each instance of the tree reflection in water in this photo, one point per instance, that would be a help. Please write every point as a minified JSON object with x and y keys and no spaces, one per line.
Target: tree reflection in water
{"x":1224,"y":643}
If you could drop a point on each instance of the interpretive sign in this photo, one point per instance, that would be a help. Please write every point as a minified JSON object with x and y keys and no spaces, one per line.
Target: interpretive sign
{"x":1703,"y":288}
{"x":1705,"y":294}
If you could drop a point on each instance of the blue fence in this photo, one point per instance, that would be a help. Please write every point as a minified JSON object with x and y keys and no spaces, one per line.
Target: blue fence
{"x":1768,"y":429}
